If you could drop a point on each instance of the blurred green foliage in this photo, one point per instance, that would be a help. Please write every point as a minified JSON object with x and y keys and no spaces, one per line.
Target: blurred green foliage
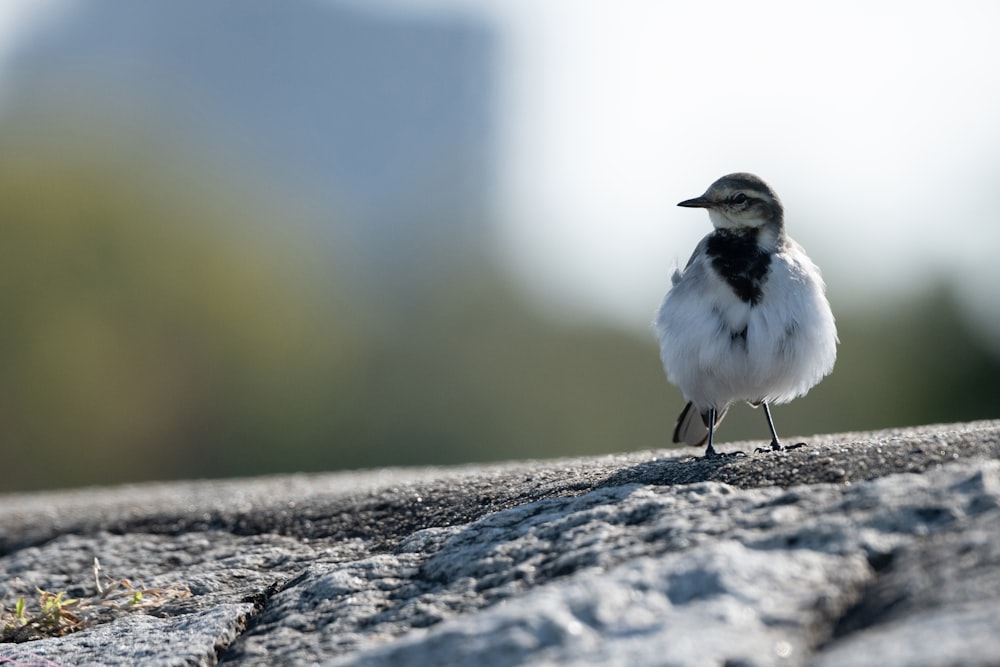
{"x":152,"y":326}
{"x":160,"y":321}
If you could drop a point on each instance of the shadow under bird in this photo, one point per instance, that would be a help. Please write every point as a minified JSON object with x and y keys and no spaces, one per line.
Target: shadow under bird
{"x":747,"y":318}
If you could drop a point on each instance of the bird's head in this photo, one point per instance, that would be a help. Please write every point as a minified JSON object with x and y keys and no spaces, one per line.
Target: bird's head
{"x":740,"y":201}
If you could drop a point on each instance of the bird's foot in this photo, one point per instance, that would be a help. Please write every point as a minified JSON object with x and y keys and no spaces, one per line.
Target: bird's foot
{"x":710,"y":453}
{"x":778,"y":447}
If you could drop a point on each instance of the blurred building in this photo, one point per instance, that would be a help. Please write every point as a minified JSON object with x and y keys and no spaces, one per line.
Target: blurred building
{"x":382,"y":118}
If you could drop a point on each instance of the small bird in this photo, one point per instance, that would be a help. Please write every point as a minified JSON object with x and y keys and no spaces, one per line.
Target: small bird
{"x":747,"y":318}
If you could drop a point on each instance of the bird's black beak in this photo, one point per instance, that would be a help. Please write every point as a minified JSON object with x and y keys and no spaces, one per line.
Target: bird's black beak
{"x":697,"y":202}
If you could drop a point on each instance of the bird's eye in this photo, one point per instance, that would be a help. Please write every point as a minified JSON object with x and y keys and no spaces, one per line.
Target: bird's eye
{"x":739,"y":198}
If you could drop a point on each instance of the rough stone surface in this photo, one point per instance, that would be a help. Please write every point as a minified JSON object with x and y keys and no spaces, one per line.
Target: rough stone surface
{"x":863,"y":549}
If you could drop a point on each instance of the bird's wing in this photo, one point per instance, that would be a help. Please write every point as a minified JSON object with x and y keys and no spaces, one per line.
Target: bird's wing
{"x":698,"y":251}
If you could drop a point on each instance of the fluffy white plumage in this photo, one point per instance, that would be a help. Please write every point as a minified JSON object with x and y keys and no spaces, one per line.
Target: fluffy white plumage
{"x":747,"y":318}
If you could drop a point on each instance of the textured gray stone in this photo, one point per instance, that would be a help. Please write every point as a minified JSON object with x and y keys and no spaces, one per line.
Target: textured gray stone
{"x":188,"y":639}
{"x":880,"y":548}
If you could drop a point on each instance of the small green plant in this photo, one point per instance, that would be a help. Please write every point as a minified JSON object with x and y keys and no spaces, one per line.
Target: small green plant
{"x":57,"y":614}
{"x":53,"y":616}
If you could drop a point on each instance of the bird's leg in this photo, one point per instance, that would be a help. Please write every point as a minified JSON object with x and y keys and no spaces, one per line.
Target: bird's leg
{"x":776,"y":445}
{"x":710,"y":450}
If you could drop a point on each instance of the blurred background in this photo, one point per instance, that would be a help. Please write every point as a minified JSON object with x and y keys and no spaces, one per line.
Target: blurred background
{"x":256,"y":236}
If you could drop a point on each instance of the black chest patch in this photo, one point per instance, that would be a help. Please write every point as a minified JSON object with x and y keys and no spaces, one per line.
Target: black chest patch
{"x":740,"y":261}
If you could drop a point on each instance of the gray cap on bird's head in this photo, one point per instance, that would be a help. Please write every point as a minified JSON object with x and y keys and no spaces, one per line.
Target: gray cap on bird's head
{"x":739,"y":200}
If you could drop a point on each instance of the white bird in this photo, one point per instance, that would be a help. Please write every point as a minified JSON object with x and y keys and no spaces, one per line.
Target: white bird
{"x":747,"y":318}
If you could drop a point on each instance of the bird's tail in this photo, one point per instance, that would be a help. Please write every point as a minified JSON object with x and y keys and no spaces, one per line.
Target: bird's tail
{"x":692,"y":426}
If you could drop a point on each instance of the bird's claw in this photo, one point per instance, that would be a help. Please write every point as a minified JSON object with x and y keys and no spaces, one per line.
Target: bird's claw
{"x":778,"y":447}
{"x":712,"y":454}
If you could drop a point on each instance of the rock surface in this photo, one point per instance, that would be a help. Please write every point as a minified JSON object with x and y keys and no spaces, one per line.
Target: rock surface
{"x":862,"y":549}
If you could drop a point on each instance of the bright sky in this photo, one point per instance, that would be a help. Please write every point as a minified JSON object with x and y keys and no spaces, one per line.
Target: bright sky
{"x":877,"y":123}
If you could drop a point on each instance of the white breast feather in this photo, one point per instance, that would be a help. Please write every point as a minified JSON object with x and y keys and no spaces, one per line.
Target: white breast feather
{"x":790,"y":334}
